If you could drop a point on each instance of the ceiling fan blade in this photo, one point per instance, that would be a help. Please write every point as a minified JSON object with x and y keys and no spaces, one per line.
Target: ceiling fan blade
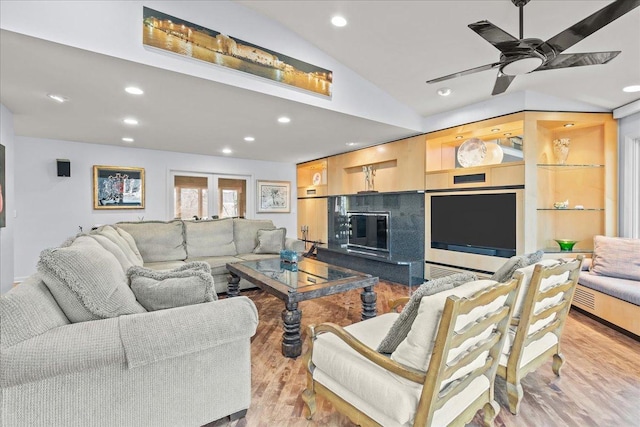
{"x":566,"y":60}
{"x":465,"y":72}
{"x":502,"y":83}
{"x":591,"y":24}
{"x":499,"y":38}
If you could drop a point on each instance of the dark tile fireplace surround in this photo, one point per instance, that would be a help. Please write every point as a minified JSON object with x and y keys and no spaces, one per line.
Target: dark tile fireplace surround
{"x":404,"y":263}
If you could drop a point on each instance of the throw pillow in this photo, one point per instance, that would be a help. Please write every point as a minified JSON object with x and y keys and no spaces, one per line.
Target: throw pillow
{"x":270,"y":241}
{"x":505,"y":272}
{"x":616,"y":257}
{"x":87,"y":281}
{"x":415,"y":350}
{"x":401,"y":327}
{"x":186,"y":285}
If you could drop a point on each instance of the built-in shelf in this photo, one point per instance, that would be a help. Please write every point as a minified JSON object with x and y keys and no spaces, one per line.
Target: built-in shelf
{"x":565,"y":166}
{"x":570,"y":209}
{"x":557,"y":250}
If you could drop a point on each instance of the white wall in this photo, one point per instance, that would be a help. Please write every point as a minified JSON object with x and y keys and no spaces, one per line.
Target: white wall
{"x":50,"y":208}
{"x":7,"y":233}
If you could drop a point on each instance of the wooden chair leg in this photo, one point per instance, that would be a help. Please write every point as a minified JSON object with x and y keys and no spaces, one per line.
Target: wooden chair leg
{"x":515,"y":394}
{"x":309,"y":397}
{"x":558,"y":361}
{"x":491,"y":410}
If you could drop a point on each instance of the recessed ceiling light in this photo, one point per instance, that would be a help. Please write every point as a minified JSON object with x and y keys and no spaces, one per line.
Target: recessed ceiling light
{"x":507,"y":134}
{"x":338,"y":21}
{"x":351,"y":144}
{"x":249,"y":138}
{"x":459,"y":137}
{"x":130,"y":121}
{"x":495,"y":130}
{"x":127,"y":139}
{"x":632,"y":88}
{"x":568,"y":125}
{"x":134,"y":90}
{"x":444,"y":91}
{"x":284,"y":119}
{"x":227,"y":150}
{"x":58,"y":98}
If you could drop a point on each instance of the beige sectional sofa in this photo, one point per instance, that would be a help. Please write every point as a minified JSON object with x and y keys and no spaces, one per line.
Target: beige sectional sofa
{"x":166,"y":245}
{"x":79,"y":348}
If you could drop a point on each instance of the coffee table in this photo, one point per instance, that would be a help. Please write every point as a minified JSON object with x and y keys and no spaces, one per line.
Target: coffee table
{"x":312,"y":279}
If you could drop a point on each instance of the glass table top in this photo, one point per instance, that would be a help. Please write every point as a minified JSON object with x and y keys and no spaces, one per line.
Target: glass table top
{"x":305,"y":272}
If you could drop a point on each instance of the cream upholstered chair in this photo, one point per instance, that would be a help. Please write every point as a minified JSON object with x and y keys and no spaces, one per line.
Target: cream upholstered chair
{"x":373,"y":389}
{"x":539,"y":316}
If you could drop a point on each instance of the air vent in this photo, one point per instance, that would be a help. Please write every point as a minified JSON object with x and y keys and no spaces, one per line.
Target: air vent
{"x":584,"y":298}
{"x":436,"y":272}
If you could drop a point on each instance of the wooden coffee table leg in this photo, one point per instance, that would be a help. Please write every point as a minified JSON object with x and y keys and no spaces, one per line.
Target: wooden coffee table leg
{"x":233,"y":285}
{"x":369,"y":298}
{"x":291,"y":342}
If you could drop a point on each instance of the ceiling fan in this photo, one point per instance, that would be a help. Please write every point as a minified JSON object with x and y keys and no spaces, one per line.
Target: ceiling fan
{"x":521,"y":56}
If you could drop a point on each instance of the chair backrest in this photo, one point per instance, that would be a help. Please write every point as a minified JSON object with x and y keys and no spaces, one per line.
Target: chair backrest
{"x":468,"y":343}
{"x":545,"y":307}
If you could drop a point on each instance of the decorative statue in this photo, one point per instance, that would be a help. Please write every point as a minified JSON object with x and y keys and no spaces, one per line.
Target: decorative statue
{"x":369,"y":174}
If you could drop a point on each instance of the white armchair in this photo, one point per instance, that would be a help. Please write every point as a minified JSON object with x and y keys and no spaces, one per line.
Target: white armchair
{"x":455,"y":341}
{"x":539,"y":316}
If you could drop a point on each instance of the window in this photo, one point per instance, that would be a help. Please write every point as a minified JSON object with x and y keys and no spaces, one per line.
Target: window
{"x":232,"y":195}
{"x":191,"y":195}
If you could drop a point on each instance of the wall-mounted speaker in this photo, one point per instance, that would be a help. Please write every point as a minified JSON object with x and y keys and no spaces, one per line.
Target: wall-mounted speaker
{"x":64,"y":167}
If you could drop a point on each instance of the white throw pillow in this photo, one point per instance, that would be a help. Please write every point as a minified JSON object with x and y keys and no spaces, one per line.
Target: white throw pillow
{"x":415,"y":351}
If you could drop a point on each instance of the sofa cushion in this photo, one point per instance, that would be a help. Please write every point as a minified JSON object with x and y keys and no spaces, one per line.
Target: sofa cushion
{"x":159,"y":290}
{"x":114,"y":250}
{"x":87,"y":281}
{"x":505,"y":272}
{"x":28,"y":310}
{"x":112,"y":234}
{"x":415,"y":350}
{"x":626,"y":290}
{"x":616,"y":257}
{"x":218,"y":264}
{"x":402,"y":325}
{"x":158,"y":240}
{"x":245,"y":233}
{"x":270,"y":241}
{"x":164,"y":265}
{"x":210,"y":238}
{"x":132,"y":244}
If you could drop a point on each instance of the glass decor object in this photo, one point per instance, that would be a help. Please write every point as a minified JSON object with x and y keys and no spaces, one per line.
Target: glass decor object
{"x":471,"y":152}
{"x":561,"y":150}
{"x":566,"y":244}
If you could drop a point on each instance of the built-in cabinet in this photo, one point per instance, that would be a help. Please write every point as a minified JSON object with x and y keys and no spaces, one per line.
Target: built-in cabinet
{"x":519,"y":159}
{"x":312,"y":201}
{"x":575,"y":178}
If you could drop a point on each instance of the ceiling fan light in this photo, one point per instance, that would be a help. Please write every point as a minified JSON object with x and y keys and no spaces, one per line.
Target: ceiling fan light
{"x":521,"y":66}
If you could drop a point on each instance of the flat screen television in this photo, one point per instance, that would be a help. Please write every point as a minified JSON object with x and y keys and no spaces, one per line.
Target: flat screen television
{"x":477,"y":223}
{"x":368,"y":230}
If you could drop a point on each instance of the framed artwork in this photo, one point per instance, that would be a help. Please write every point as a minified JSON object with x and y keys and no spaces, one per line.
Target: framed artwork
{"x":181,"y":37}
{"x":3,"y":211}
{"x":274,"y":196}
{"x":116,"y":187}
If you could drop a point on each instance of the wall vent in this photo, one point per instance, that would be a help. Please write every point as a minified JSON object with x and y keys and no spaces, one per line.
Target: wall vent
{"x":432,"y":271}
{"x":584,"y":298}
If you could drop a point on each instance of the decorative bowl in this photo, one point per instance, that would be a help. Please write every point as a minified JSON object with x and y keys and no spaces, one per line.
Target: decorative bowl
{"x":566,"y":244}
{"x":471,"y":152}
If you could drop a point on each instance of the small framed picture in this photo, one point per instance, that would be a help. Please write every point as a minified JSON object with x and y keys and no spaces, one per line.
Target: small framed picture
{"x":116,"y":187}
{"x":274,"y":196}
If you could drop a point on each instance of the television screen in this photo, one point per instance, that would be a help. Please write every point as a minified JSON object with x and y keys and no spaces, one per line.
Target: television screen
{"x":477,"y":223}
{"x":369,"y":230}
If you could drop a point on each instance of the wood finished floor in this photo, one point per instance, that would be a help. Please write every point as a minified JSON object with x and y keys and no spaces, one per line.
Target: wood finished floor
{"x":599,"y":386}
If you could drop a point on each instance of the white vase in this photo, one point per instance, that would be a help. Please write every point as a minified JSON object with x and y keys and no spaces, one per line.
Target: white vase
{"x":561,"y":150}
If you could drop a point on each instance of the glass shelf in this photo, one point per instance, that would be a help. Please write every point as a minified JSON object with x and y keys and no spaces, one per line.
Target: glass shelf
{"x":556,"y":250}
{"x":568,"y":166}
{"x":571,"y":209}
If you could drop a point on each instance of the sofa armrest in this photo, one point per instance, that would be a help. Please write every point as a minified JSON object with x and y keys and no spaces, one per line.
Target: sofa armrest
{"x":62,"y":350}
{"x":164,"y":334}
{"x":294,"y":245}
